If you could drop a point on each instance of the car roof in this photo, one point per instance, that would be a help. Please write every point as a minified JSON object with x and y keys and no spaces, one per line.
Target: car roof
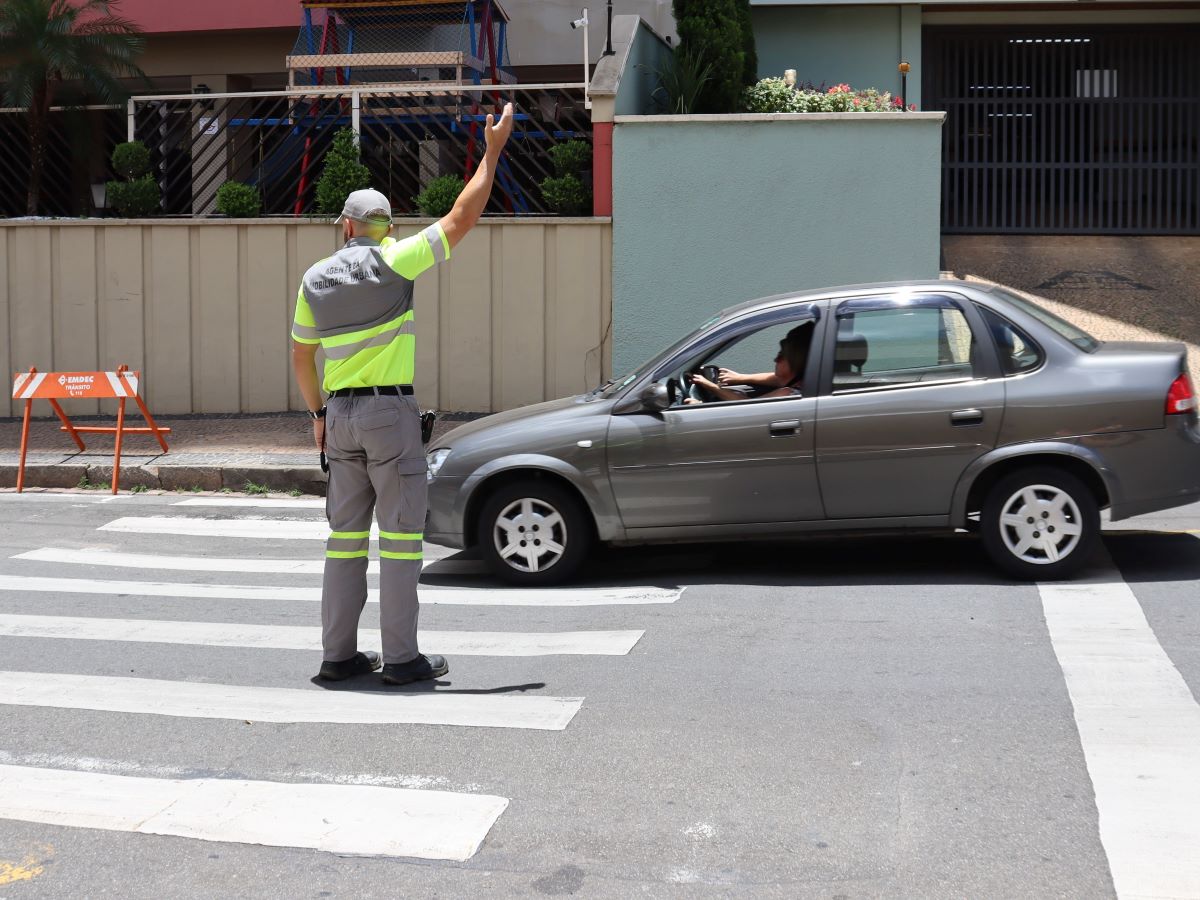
{"x":925,"y":284}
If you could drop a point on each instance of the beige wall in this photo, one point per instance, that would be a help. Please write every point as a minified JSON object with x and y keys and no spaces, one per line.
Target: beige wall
{"x":522,"y":313}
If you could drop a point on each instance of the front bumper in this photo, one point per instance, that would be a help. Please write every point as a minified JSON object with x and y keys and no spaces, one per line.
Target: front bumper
{"x":446,"y":512}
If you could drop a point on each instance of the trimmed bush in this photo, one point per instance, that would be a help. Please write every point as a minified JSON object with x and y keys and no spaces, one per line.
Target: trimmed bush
{"x":238,"y":201}
{"x":138,"y":195}
{"x":711,"y":31}
{"x":343,"y":174}
{"x":571,"y":157}
{"x":134,"y":199}
{"x":749,"y":51}
{"x":131,"y":160}
{"x":439,"y":195}
{"x":567,"y":195}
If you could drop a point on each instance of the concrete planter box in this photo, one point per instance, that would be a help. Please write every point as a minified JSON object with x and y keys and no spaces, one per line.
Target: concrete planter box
{"x":709,"y":211}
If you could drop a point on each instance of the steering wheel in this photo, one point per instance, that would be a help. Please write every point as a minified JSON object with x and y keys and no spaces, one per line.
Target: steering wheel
{"x":696,"y":392}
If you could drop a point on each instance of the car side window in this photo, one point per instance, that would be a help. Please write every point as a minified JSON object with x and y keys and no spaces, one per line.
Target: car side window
{"x":901,"y":345}
{"x":1017,"y":351}
{"x":744,"y":366}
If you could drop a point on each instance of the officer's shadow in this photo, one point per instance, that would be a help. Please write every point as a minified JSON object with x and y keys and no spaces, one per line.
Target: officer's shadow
{"x":371,"y":684}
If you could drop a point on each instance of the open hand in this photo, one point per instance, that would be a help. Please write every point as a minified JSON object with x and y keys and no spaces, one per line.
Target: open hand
{"x":728,"y":376}
{"x":497,"y":133}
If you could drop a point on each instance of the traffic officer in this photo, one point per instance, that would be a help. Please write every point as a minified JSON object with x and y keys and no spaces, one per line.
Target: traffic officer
{"x":357,"y":306}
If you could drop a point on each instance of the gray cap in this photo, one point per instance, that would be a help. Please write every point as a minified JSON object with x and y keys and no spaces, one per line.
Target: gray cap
{"x":367,"y":206}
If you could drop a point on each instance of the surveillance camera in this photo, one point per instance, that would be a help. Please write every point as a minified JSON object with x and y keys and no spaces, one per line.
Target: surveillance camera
{"x":580,"y":22}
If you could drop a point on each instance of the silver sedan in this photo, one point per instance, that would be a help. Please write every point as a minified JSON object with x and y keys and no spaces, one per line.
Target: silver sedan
{"x":917,"y":405}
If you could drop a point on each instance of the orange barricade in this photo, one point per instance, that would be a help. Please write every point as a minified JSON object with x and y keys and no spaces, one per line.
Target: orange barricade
{"x":54,"y":386}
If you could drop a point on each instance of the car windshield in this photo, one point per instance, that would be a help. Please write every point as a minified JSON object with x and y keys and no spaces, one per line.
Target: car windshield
{"x":613,"y":387}
{"x":1076,"y":336}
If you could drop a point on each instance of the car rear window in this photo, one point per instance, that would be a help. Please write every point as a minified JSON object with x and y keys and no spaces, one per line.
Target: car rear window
{"x":1018,"y":352}
{"x":1076,"y":336}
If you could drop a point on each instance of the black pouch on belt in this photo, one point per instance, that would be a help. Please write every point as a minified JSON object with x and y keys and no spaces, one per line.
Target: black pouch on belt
{"x":427,"y":420}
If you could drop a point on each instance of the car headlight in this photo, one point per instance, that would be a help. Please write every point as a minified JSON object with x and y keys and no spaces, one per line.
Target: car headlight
{"x":435,"y":461}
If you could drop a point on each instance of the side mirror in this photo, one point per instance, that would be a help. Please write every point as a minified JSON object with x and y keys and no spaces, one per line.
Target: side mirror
{"x":655,"y":397}
{"x":652,"y":398}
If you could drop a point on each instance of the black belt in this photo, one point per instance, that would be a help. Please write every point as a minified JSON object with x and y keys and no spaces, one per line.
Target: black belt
{"x":390,"y":389}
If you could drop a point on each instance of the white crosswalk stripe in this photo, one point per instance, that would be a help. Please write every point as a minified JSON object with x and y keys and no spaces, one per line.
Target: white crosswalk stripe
{"x":336,"y":818}
{"x":267,"y":704}
{"x":458,"y":597}
{"x":255,"y":502}
{"x":251,"y":527}
{"x":332,"y":815}
{"x":1140,"y":729}
{"x":164,"y":562}
{"x":301,"y":637}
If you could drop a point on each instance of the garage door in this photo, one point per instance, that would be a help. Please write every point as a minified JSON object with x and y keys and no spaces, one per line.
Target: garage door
{"x":1067,"y":130}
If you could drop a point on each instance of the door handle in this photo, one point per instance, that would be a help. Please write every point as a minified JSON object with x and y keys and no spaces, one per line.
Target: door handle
{"x":966,"y":417}
{"x":785,"y":428}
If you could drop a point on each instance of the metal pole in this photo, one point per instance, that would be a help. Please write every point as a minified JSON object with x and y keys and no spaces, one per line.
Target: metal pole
{"x":129,"y":114}
{"x":587,"y":80}
{"x":356,"y":114}
{"x":608,"y":48}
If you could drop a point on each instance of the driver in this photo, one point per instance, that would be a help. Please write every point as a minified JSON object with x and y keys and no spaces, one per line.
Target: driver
{"x":790,"y":364}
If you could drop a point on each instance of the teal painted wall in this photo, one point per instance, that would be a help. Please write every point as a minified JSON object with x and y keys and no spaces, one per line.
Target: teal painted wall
{"x":710,"y":211}
{"x":648,"y":55}
{"x":858,"y":45}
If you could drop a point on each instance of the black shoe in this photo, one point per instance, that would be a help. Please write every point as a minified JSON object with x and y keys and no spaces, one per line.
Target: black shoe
{"x":420,"y":669}
{"x":359,"y":664}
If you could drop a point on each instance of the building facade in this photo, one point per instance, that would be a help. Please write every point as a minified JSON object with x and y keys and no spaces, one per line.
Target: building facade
{"x":1062,"y":118}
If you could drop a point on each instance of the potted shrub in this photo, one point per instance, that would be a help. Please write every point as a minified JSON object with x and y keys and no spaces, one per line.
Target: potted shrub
{"x":138,"y":195}
{"x":238,"y":201}
{"x":437,"y":198}
{"x":343,"y":174}
{"x":567,"y":192}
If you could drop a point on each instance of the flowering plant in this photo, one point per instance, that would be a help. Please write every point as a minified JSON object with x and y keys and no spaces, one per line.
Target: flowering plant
{"x":774,"y":95}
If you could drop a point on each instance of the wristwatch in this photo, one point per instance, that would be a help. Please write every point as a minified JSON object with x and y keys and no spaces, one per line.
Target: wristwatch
{"x":316,"y":414}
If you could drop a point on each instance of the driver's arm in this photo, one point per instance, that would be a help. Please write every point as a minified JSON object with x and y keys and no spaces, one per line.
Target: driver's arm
{"x":758,"y":379}
{"x":717,"y":390}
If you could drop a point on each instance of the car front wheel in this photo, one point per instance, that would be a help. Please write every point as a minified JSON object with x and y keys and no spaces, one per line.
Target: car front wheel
{"x":534,"y":533}
{"x":1040,"y":523}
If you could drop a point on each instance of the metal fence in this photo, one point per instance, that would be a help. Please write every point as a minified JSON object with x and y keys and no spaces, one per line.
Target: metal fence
{"x":408,"y":136}
{"x":277,"y":141}
{"x":79,"y":143}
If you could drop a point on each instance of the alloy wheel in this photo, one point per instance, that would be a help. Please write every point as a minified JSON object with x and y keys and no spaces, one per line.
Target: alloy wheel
{"x":530,"y":535}
{"x":1041,"y":524}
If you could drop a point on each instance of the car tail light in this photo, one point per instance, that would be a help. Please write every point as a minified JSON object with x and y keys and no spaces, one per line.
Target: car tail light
{"x":1181,"y":398}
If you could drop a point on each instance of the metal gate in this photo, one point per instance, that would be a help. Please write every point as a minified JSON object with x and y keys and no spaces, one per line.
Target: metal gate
{"x":1088,"y":130}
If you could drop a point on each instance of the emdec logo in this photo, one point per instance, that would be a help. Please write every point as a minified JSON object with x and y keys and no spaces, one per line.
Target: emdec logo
{"x":77,"y":385}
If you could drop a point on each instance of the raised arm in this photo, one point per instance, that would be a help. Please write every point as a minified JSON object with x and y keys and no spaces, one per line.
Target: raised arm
{"x":474,"y":197}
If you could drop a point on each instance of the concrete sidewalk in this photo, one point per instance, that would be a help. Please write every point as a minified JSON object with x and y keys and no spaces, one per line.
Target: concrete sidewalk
{"x":207,"y":452}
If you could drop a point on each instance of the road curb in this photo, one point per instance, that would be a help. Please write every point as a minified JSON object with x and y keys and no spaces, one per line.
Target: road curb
{"x":305,"y":479}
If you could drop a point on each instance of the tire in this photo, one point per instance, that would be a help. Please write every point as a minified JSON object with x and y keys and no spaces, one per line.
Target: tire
{"x":1064,"y":531}
{"x":560,"y":528}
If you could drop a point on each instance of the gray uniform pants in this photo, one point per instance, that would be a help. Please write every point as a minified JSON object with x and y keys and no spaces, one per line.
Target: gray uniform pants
{"x":376,"y":462}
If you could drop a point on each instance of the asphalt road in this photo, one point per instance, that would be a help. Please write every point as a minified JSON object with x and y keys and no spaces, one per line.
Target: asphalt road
{"x":832,"y":718}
